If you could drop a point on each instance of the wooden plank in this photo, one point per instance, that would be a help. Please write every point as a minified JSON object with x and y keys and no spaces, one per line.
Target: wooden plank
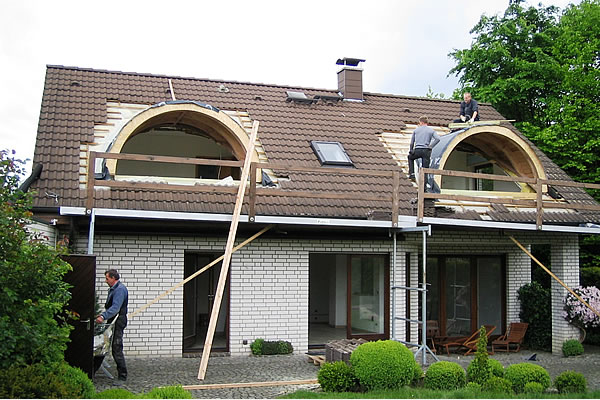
{"x":171,"y":160}
{"x":395,"y":198}
{"x":170,"y":187}
{"x":228,"y":250}
{"x":538,"y":205}
{"x":478,"y":199}
{"x":421,"y":195}
{"x":250,"y":384}
{"x":319,"y":195}
{"x":454,"y":125}
{"x":555,"y":277}
{"x":320,"y":171}
{"x":91,"y":182}
{"x":201,"y":270}
{"x":479,"y":176}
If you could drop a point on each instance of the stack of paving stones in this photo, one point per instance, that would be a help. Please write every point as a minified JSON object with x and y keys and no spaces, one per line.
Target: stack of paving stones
{"x":340,"y":350}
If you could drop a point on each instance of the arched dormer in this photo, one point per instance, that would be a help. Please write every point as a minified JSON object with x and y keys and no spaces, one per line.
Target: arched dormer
{"x":487,"y":149}
{"x":201,"y":123}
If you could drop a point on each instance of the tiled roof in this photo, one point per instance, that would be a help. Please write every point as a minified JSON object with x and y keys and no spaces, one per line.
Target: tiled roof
{"x":75,"y":100}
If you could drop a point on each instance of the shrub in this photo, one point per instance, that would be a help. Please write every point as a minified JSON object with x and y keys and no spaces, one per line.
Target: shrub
{"x":479,"y":369}
{"x":535,"y":310}
{"x":284,"y":347}
{"x":496,"y":368}
{"x":336,"y":377}
{"x":589,"y":276}
{"x":570,"y":382}
{"x":520,"y":374}
{"x":116,"y":393}
{"x":473,"y":387}
{"x":572,"y":347}
{"x":445,"y":375}
{"x":256,"y":347}
{"x":417,"y":375}
{"x":498,"y":385}
{"x":383,"y":365}
{"x":32,"y":291}
{"x":168,"y":392}
{"x":533,"y":388}
{"x":40,"y":381}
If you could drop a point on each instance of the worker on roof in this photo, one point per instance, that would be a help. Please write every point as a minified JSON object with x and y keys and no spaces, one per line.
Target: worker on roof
{"x":469,"y":109}
{"x":422,"y":141}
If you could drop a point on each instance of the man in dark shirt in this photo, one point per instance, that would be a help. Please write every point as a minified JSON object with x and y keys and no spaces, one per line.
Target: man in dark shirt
{"x":469,"y":109}
{"x":116,"y":303}
{"x":422,"y":141}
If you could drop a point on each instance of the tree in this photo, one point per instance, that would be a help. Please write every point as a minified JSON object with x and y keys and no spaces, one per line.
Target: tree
{"x":32,"y":292}
{"x":542,"y":68}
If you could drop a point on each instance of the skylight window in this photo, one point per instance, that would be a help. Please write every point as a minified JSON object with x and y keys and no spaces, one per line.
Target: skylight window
{"x":331,"y":153}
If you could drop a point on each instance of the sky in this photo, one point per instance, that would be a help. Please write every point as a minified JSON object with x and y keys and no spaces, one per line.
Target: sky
{"x":405,"y":45}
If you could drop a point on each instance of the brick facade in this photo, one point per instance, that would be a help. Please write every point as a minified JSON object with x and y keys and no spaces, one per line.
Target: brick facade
{"x":269,"y":281}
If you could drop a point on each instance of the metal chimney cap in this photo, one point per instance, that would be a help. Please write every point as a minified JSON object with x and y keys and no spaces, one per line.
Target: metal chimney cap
{"x":352,"y":62}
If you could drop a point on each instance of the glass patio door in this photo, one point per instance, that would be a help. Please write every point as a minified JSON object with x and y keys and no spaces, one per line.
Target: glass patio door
{"x":368,"y":291}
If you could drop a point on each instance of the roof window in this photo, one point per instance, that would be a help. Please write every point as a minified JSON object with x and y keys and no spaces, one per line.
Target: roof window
{"x":331,"y":153}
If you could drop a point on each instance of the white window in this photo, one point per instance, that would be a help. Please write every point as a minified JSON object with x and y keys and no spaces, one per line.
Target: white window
{"x":331,"y":153}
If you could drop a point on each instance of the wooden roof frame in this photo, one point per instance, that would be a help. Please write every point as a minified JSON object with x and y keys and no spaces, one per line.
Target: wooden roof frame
{"x":218,"y":125}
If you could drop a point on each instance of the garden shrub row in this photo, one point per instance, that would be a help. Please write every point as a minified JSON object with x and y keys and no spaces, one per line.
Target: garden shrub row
{"x":265,"y":347}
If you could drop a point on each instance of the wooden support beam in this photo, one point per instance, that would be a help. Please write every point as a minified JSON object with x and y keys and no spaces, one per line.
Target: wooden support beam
{"x":456,"y":125}
{"x":421,"y":196}
{"x":195,"y":274}
{"x":250,"y":384}
{"x":555,"y":277}
{"x":395,"y":197}
{"x":228,"y":250}
{"x":91,"y":181}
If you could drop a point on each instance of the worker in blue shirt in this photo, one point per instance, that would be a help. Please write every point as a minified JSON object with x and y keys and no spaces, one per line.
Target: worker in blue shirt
{"x":116,"y":304}
{"x":469,"y":109}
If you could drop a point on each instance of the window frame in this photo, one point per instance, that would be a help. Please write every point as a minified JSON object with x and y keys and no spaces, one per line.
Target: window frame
{"x":314,"y":144}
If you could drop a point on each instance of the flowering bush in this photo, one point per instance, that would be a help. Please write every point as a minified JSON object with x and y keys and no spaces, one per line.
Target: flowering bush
{"x":578,"y":313}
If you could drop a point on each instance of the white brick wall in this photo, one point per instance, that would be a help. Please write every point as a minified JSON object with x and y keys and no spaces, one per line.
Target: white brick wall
{"x":565,"y":265}
{"x":269,"y":281}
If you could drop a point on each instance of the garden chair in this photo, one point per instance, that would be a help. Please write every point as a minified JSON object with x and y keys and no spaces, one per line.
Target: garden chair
{"x":433,"y":333}
{"x":514,"y":336}
{"x":469,"y":343}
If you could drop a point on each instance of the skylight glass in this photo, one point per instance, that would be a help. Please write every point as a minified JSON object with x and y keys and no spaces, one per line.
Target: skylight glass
{"x":331,"y":153}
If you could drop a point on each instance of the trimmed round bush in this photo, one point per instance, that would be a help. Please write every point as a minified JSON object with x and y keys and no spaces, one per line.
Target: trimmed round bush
{"x":336,"y":377}
{"x":445,"y":375}
{"x":284,"y":347}
{"x":570,"y":382}
{"x":384,"y":364}
{"x":417,"y":375}
{"x":40,"y":381}
{"x":496,"y":384}
{"x":520,"y":374}
{"x":572,"y":347}
{"x":496,"y":367}
{"x":533,"y":388}
{"x":168,"y":392}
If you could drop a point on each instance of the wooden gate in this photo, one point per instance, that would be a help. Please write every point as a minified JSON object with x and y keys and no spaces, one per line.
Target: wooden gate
{"x":80,"y":350}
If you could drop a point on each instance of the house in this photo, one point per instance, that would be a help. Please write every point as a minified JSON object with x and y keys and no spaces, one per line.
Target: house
{"x":142,"y":170}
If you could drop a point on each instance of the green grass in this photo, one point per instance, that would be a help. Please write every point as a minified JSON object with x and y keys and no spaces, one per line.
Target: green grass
{"x":412,"y":393}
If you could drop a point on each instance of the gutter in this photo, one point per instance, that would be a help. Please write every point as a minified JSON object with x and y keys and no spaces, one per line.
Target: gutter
{"x":404,"y":222}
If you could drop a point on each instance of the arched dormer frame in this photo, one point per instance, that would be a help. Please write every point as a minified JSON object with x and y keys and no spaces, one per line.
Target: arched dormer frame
{"x":216,"y":124}
{"x":511,"y":151}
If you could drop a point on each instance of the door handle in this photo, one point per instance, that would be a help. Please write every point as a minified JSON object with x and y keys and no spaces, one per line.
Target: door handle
{"x":87,"y":322}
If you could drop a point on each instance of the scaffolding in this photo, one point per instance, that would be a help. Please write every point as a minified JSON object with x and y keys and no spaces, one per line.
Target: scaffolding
{"x":423,"y":349}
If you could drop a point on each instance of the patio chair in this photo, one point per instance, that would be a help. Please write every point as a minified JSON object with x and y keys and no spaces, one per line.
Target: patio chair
{"x":513,"y":337}
{"x":433,"y":332}
{"x":469,"y":343}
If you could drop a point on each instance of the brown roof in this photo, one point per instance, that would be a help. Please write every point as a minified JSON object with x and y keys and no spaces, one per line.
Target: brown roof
{"x":75,"y":99}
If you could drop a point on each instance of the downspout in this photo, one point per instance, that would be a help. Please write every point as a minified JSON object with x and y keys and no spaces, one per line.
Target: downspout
{"x":90,"y":249}
{"x":393,"y":291}
{"x":35,"y":175}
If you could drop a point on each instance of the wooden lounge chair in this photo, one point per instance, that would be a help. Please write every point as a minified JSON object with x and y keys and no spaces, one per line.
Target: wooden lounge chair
{"x":470,"y":343}
{"x":514,"y":336}
{"x":433,"y":332}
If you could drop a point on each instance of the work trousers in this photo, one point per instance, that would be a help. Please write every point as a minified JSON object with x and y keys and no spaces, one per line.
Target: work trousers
{"x":423,"y":154}
{"x":117,"y":346}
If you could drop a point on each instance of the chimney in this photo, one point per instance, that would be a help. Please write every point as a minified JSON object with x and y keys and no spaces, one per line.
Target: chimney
{"x":350,"y":78}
